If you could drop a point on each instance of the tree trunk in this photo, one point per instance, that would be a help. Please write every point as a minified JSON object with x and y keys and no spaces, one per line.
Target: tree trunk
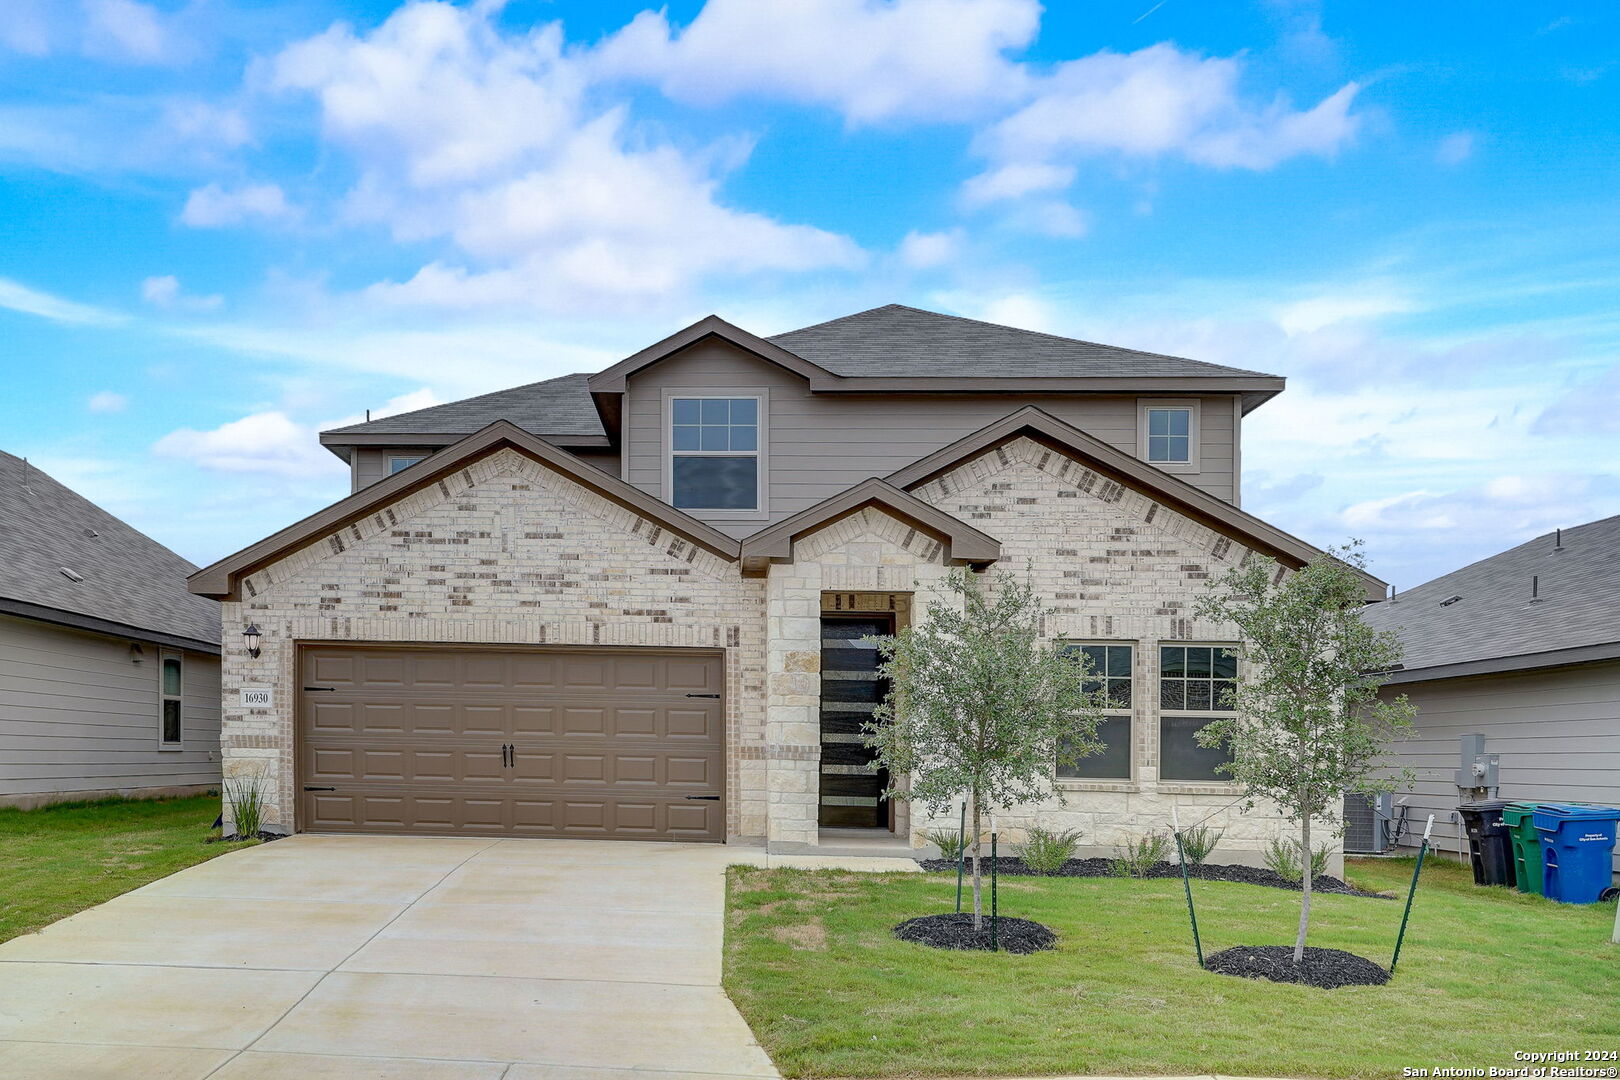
{"x":978,"y":902}
{"x":1305,"y":887}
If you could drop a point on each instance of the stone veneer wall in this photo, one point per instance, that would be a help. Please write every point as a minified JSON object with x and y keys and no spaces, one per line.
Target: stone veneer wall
{"x":1118,"y":567}
{"x":505,"y":551}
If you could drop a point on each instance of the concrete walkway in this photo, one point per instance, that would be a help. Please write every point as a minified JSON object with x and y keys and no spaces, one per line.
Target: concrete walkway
{"x":406,"y":958}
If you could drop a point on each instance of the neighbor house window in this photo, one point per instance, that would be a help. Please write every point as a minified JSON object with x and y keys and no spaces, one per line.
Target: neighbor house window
{"x":1195,"y":684}
{"x":715,"y":453}
{"x":398,"y":464}
{"x":1169,"y":434}
{"x":170,"y":732}
{"x":1111,"y":675}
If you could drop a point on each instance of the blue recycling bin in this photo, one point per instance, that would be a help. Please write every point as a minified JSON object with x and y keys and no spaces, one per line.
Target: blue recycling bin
{"x":1577,"y":850}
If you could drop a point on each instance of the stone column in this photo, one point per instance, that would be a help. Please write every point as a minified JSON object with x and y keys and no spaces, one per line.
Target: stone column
{"x":793,"y":703}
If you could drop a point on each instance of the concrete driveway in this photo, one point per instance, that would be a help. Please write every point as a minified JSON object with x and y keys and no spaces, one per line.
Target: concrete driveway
{"x":402,"y":958}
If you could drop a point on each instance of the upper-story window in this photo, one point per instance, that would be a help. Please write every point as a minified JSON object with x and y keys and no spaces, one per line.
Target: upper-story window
{"x":715,"y":453}
{"x":399,"y":464}
{"x":1169,"y":434}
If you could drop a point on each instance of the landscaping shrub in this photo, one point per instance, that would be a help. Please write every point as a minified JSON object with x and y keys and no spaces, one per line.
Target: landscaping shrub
{"x":1138,"y":857}
{"x":1046,"y":850}
{"x":245,"y":801}
{"x":949,"y":842}
{"x":1284,"y":856}
{"x":1199,"y":841}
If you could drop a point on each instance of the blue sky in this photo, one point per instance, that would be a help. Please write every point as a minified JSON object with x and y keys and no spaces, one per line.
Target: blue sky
{"x":229,"y":224}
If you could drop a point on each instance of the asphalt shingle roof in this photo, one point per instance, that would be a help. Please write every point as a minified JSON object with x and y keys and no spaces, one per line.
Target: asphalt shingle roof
{"x":885,"y":342}
{"x":560,"y":406}
{"x":1578,"y":605}
{"x":128,"y":578}
{"x":899,"y":341}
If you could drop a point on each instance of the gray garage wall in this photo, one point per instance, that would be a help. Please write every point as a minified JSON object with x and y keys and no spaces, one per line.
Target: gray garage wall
{"x":1557,"y":731}
{"x":78,"y":719}
{"x":820,"y":444}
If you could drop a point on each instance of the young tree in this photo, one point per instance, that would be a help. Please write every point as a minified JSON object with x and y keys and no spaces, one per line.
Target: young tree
{"x":1309,"y":724}
{"x":980,"y":706}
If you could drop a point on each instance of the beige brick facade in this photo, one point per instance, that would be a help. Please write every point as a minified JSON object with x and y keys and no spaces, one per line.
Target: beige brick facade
{"x":507,"y":550}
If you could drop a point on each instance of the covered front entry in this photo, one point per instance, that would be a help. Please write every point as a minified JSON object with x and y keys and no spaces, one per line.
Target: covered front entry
{"x":852,"y":782}
{"x":586,"y":742}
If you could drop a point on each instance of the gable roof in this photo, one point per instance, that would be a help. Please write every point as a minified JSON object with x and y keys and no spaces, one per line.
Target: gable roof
{"x":223,"y":578}
{"x":130,"y":585}
{"x":559,"y":410}
{"x":963,"y":543}
{"x":612,"y":380}
{"x":1495,"y":626}
{"x":899,"y":341}
{"x":1176,"y":493}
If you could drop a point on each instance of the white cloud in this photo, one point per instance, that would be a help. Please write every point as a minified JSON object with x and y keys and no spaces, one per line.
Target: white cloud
{"x":25,"y":28}
{"x":1158,"y":101}
{"x":125,"y":30}
{"x":871,"y":60}
{"x":1341,"y":305}
{"x":926,"y":251}
{"x":106,"y":401}
{"x":1591,"y":408}
{"x":1016,"y":180}
{"x":19,"y":297}
{"x":213,"y":206}
{"x":272,"y":443}
{"x":1455,"y":148}
{"x":461,"y":130}
{"x":165,"y":292}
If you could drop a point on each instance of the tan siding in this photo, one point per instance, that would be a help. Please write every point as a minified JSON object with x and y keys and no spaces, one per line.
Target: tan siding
{"x":77,"y":716}
{"x":819,"y":444}
{"x":1558,"y":732}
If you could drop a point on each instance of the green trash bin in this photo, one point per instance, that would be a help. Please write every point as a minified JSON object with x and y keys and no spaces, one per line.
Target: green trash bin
{"x":1517,"y":819}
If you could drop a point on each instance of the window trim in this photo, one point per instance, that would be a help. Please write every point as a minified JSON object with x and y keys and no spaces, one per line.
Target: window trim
{"x":1132,"y":714}
{"x":164,"y":697}
{"x":1222,"y":783}
{"x":761,"y":510}
{"x":409,"y":459}
{"x":1194,"y":462}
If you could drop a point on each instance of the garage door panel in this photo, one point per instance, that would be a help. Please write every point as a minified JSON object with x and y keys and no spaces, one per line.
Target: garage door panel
{"x":604,"y":743}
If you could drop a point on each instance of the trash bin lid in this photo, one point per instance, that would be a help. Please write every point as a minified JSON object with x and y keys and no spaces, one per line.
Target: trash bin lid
{"x":1486,"y":804}
{"x":1548,"y":815}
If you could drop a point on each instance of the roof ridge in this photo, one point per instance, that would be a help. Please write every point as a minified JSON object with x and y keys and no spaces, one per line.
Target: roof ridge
{"x":465,"y":400}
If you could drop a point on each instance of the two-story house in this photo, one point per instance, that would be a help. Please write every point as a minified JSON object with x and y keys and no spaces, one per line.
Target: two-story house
{"x":636,"y":604}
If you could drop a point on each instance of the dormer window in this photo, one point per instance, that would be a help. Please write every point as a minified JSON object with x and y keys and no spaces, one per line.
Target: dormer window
{"x":1168,"y":434}
{"x":714,"y":463}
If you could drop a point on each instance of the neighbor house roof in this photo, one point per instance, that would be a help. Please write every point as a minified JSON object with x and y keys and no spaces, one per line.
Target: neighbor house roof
{"x":65,"y":560}
{"x":1483,"y":618}
{"x":887,"y":349}
{"x":1184,"y":498}
{"x":223,"y":578}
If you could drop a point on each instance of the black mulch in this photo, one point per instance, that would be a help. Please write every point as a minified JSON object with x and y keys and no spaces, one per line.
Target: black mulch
{"x":1326,"y":968}
{"x":1246,"y":875}
{"x":954,"y":930}
{"x":233,"y":838}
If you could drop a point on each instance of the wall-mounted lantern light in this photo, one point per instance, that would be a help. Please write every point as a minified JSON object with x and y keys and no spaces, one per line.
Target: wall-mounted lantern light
{"x":136,"y":654}
{"x":251,"y":637}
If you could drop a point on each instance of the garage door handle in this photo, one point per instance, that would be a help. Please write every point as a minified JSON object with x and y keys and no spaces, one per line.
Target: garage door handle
{"x":333,"y":689}
{"x":308,"y":788}
{"x":705,"y":798}
{"x":703,"y":695}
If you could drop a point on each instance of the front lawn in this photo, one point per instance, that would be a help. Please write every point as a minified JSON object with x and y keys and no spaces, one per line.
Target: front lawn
{"x":811,"y":963}
{"x":60,"y":859}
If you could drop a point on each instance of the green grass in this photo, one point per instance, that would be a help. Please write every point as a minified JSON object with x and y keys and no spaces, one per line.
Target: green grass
{"x":829,"y":991}
{"x":60,"y":859}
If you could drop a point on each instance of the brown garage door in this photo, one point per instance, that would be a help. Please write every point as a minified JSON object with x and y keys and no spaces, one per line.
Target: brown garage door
{"x":612,"y":744}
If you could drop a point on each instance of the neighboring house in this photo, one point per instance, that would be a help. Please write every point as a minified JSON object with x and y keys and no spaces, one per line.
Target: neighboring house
{"x":1523,"y":648}
{"x":632,"y":604}
{"x":109,"y":667}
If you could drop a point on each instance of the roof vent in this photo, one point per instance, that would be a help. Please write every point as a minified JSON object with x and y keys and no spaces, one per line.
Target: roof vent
{"x":70,"y":574}
{"x":1448,"y":601}
{"x":91,"y":533}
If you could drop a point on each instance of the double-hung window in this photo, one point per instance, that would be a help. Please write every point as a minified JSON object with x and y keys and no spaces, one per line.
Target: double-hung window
{"x":715,"y":454}
{"x":1109,"y":673}
{"x":171,"y":687}
{"x":1195,"y":686}
{"x":1169,"y":434}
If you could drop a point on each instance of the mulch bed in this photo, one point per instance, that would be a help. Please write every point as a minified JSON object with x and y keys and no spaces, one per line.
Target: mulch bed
{"x":1013,"y":866}
{"x":954,"y":930}
{"x":234,"y":839}
{"x":1326,"y":968}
